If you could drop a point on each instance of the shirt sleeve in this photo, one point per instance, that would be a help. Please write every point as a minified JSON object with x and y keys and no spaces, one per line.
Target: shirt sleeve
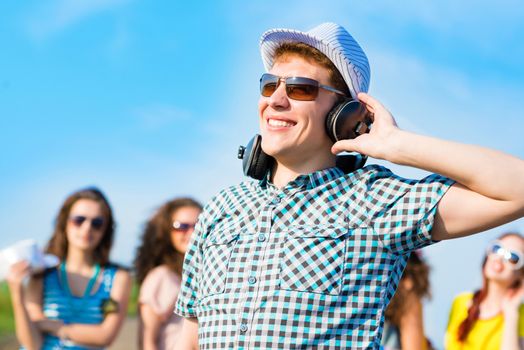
{"x":160,"y":290}
{"x":403,"y":210}
{"x":187,"y":300}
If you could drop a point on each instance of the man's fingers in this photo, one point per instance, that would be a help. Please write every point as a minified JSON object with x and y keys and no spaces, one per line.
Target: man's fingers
{"x":380,"y":113}
{"x":371,"y":104}
{"x":344,"y":145}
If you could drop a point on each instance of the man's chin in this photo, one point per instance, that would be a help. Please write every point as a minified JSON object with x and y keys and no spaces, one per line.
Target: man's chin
{"x":274,"y":151}
{"x":272,"y":147}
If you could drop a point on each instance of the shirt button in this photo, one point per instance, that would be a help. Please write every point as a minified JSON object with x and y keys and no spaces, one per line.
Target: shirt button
{"x":252,"y":280}
{"x":275,"y":201}
{"x":243,"y":327}
{"x":261,"y":238}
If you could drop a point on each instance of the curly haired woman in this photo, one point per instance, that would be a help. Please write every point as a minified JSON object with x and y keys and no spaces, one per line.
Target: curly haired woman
{"x":404,"y":326}
{"x":158,"y":266}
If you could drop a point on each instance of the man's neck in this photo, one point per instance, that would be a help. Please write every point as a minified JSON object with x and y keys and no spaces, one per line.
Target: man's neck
{"x":285,"y":172}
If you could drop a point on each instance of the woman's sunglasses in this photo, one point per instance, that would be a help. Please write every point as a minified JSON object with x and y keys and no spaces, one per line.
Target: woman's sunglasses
{"x":297,"y":88}
{"x":513,"y":257}
{"x":96,"y":223}
{"x":182,"y":226}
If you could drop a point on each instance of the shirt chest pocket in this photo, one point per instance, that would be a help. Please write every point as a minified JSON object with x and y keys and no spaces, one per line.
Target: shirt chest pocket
{"x":217,"y":251}
{"x":312,"y":259}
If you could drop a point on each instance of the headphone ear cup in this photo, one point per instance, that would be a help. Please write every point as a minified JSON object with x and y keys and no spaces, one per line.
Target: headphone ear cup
{"x":331,"y":119}
{"x":349,"y":163}
{"x":261,"y":161}
{"x":348,"y":120}
{"x":256,"y":162}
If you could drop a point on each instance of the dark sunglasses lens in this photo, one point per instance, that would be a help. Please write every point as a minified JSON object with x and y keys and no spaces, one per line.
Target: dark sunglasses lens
{"x":514,"y":258}
{"x":78,"y":220}
{"x":97,"y":223}
{"x":268,"y":84}
{"x":302,"y":92}
{"x":182,"y":226}
{"x":495,"y":248}
{"x":268,"y":89}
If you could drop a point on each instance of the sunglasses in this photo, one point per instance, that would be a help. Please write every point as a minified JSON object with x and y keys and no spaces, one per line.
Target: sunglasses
{"x":297,"y":88}
{"x":182,"y":226}
{"x":513,"y":257}
{"x":96,"y":223}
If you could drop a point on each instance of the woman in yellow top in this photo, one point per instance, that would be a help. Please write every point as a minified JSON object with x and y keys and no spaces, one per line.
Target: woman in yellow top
{"x":492,"y":317}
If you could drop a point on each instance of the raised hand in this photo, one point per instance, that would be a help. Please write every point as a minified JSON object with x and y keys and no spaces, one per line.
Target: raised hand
{"x":17,"y":273}
{"x":379,"y":142}
{"x":513,"y":299}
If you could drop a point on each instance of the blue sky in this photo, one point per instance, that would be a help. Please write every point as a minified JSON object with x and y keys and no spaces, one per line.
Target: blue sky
{"x":149,"y":100}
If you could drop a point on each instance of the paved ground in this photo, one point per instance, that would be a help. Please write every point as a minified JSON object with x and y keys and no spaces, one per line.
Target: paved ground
{"x":126,"y":339}
{"x":8,"y":343}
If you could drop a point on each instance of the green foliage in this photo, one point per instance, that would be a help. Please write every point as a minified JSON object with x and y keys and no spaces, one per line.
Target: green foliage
{"x":132,"y":308}
{"x":7,"y":324}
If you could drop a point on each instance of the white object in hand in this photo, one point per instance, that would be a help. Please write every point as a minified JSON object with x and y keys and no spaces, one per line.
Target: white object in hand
{"x":25,"y":250}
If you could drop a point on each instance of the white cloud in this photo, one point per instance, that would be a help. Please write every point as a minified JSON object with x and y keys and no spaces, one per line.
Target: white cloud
{"x":121,"y":39}
{"x":157,"y":116}
{"x":444,"y":102}
{"x":485,"y":28}
{"x":62,"y":14}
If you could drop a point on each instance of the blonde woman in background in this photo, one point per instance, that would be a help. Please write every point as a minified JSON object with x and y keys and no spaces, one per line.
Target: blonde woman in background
{"x":492,"y":317}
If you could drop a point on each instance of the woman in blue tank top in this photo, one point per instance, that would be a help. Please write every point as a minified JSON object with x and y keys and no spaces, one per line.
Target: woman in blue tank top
{"x":81,"y":304}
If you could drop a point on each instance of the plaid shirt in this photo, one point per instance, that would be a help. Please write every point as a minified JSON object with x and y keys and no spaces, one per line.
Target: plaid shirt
{"x":311,"y":265}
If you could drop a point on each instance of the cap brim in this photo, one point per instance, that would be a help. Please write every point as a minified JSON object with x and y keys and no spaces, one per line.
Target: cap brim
{"x":273,"y":38}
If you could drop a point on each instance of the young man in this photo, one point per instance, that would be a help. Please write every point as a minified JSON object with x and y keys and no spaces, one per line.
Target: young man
{"x":309,"y":257}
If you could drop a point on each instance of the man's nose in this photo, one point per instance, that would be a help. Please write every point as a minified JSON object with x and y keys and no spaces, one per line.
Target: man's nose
{"x":279,"y":98}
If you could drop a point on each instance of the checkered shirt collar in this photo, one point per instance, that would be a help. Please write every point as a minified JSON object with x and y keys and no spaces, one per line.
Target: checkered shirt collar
{"x":304,"y":181}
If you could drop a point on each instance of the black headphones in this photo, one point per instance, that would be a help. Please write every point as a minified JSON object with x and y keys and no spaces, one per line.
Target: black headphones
{"x":346,"y":120}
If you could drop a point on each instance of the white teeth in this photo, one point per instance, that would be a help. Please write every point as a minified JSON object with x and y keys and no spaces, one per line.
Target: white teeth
{"x":279,"y":123}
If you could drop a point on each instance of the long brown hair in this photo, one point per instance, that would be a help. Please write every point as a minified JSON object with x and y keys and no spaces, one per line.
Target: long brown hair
{"x":156,"y":247}
{"x":58,"y":244}
{"x":478,"y":296}
{"x":417,"y":273}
